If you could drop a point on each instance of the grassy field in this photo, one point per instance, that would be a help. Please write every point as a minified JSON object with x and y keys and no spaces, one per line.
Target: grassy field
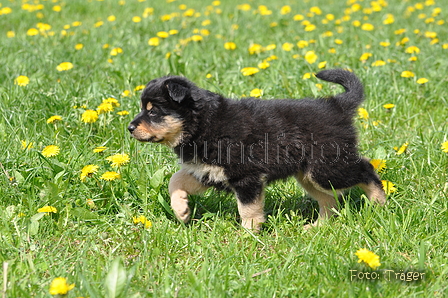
{"x":108,"y":228}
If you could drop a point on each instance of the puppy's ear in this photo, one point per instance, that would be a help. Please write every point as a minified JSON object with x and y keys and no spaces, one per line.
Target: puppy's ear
{"x":177,"y":92}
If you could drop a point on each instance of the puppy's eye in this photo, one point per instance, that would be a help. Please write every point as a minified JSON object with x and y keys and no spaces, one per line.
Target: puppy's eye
{"x":151,"y":113}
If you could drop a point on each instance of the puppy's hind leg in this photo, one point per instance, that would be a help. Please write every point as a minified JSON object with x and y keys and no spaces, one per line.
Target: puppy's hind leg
{"x":326,"y":199}
{"x":181,"y":185}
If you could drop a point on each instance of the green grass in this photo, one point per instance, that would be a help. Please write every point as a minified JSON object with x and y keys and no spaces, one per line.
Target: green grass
{"x":102,"y":251}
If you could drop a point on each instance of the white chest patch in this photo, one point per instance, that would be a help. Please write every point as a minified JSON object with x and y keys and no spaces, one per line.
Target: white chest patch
{"x":206,"y":172}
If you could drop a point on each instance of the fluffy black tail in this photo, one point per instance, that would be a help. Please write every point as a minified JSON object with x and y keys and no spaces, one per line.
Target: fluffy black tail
{"x":354,"y":92}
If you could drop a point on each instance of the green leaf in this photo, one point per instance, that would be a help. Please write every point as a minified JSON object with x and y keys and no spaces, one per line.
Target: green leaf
{"x":33,"y":228}
{"x":165,"y":204}
{"x":115,"y":279}
{"x":37,"y":216}
{"x":83,"y":213}
{"x":157,"y":179}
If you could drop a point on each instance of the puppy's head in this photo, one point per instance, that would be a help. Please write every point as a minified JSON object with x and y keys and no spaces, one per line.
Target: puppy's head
{"x":165,"y":108}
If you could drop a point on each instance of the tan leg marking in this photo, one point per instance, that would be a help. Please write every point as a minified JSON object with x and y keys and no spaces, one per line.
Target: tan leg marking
{"x":325,"y":198}
{"x":181,"y":185}
{"x":374,"y":192}
{"x":252,"y":215}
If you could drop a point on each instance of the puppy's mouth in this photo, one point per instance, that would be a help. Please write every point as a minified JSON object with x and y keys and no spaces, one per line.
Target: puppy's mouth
{"x":152,"y":139}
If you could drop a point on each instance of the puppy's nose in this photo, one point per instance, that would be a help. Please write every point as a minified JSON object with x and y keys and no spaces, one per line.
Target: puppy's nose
{"x":131,"y":128}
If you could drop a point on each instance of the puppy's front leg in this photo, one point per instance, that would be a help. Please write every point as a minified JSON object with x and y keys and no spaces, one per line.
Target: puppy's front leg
{"x":250,"y":198}
{"x":181,"y":185}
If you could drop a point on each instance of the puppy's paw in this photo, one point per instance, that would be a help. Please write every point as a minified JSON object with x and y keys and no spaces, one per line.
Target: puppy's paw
{"x":253,"y":224}
{"x":179,"y":203}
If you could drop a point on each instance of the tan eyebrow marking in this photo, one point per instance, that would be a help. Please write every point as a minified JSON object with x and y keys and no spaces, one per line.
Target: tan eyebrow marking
{"x":149,"y":106}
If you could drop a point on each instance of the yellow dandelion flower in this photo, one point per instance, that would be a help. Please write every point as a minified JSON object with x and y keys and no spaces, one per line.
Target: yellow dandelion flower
{"x":365,"y":56}
{"x":298,"y":17}
{"x":26,"y":145}
{"x":32,"y":32}
{"x":10,"y":34}
{"x":422,"y":81}
{"x":378,"y":164}
{"x":173,"y":32}
{"x":88,"y":171}
{"x":118,"y":160}
{"x":64,"y":66}
{"x":59,"y":286}
{"x":388,"y":106}
{"x":53,"y":119}
{"x":116,"y":51}
{"x":126,"y":93}
{"x":123,"y":113}
{"x":322,"y":64}
{"x":230,"y":46}
{"x":110,"y":176}
{"x":310,"y":27}
{"x":412,"y":50}
{"x":47,"y":209}
{"x":89,"y":116}
{"x":5,"y":10}
{"x":139,"y":87}
{"x":163,"y":34}
{"x":363,"y":114}
{"x":79,"y":46}
{"x":256,"y":92}
{"x":143,"y":220}
{"x":248,"y":71}
{"x":310,"y":57}
{"x":402,"y":149}
{"x":287,"y":46}
{"x":379,"y":63}
{"x":100,"y":149}
{"x":197,"y":37}
{"x":388,"y":187}
{"x":368,"y":257}
{"x":316,"y":10}
{"x":104,"y":107}
{"x":407,"y":74}
{"x":399,"y":31}
{"x":306,"y":76}
{"x":367,"y":27}
{"x":302,"y":44}
{"x":98,"y":24}
{"x":255,"y":49}
{"x":154,"y":41}
{"x":50,"y":151}
{"x":285,"y":10}
{"x":21,"y":81}
{"x":113,"y":101}
{"x":263,"y":65}
{"x":136,"y":19}
{"x":243,"y":7}
{"x":390,"y":19}
{"x":413,"y":58}
{"x":444,"y":147}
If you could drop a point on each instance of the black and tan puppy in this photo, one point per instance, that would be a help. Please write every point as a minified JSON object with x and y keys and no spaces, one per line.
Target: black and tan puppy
{"x":242,"y":145}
